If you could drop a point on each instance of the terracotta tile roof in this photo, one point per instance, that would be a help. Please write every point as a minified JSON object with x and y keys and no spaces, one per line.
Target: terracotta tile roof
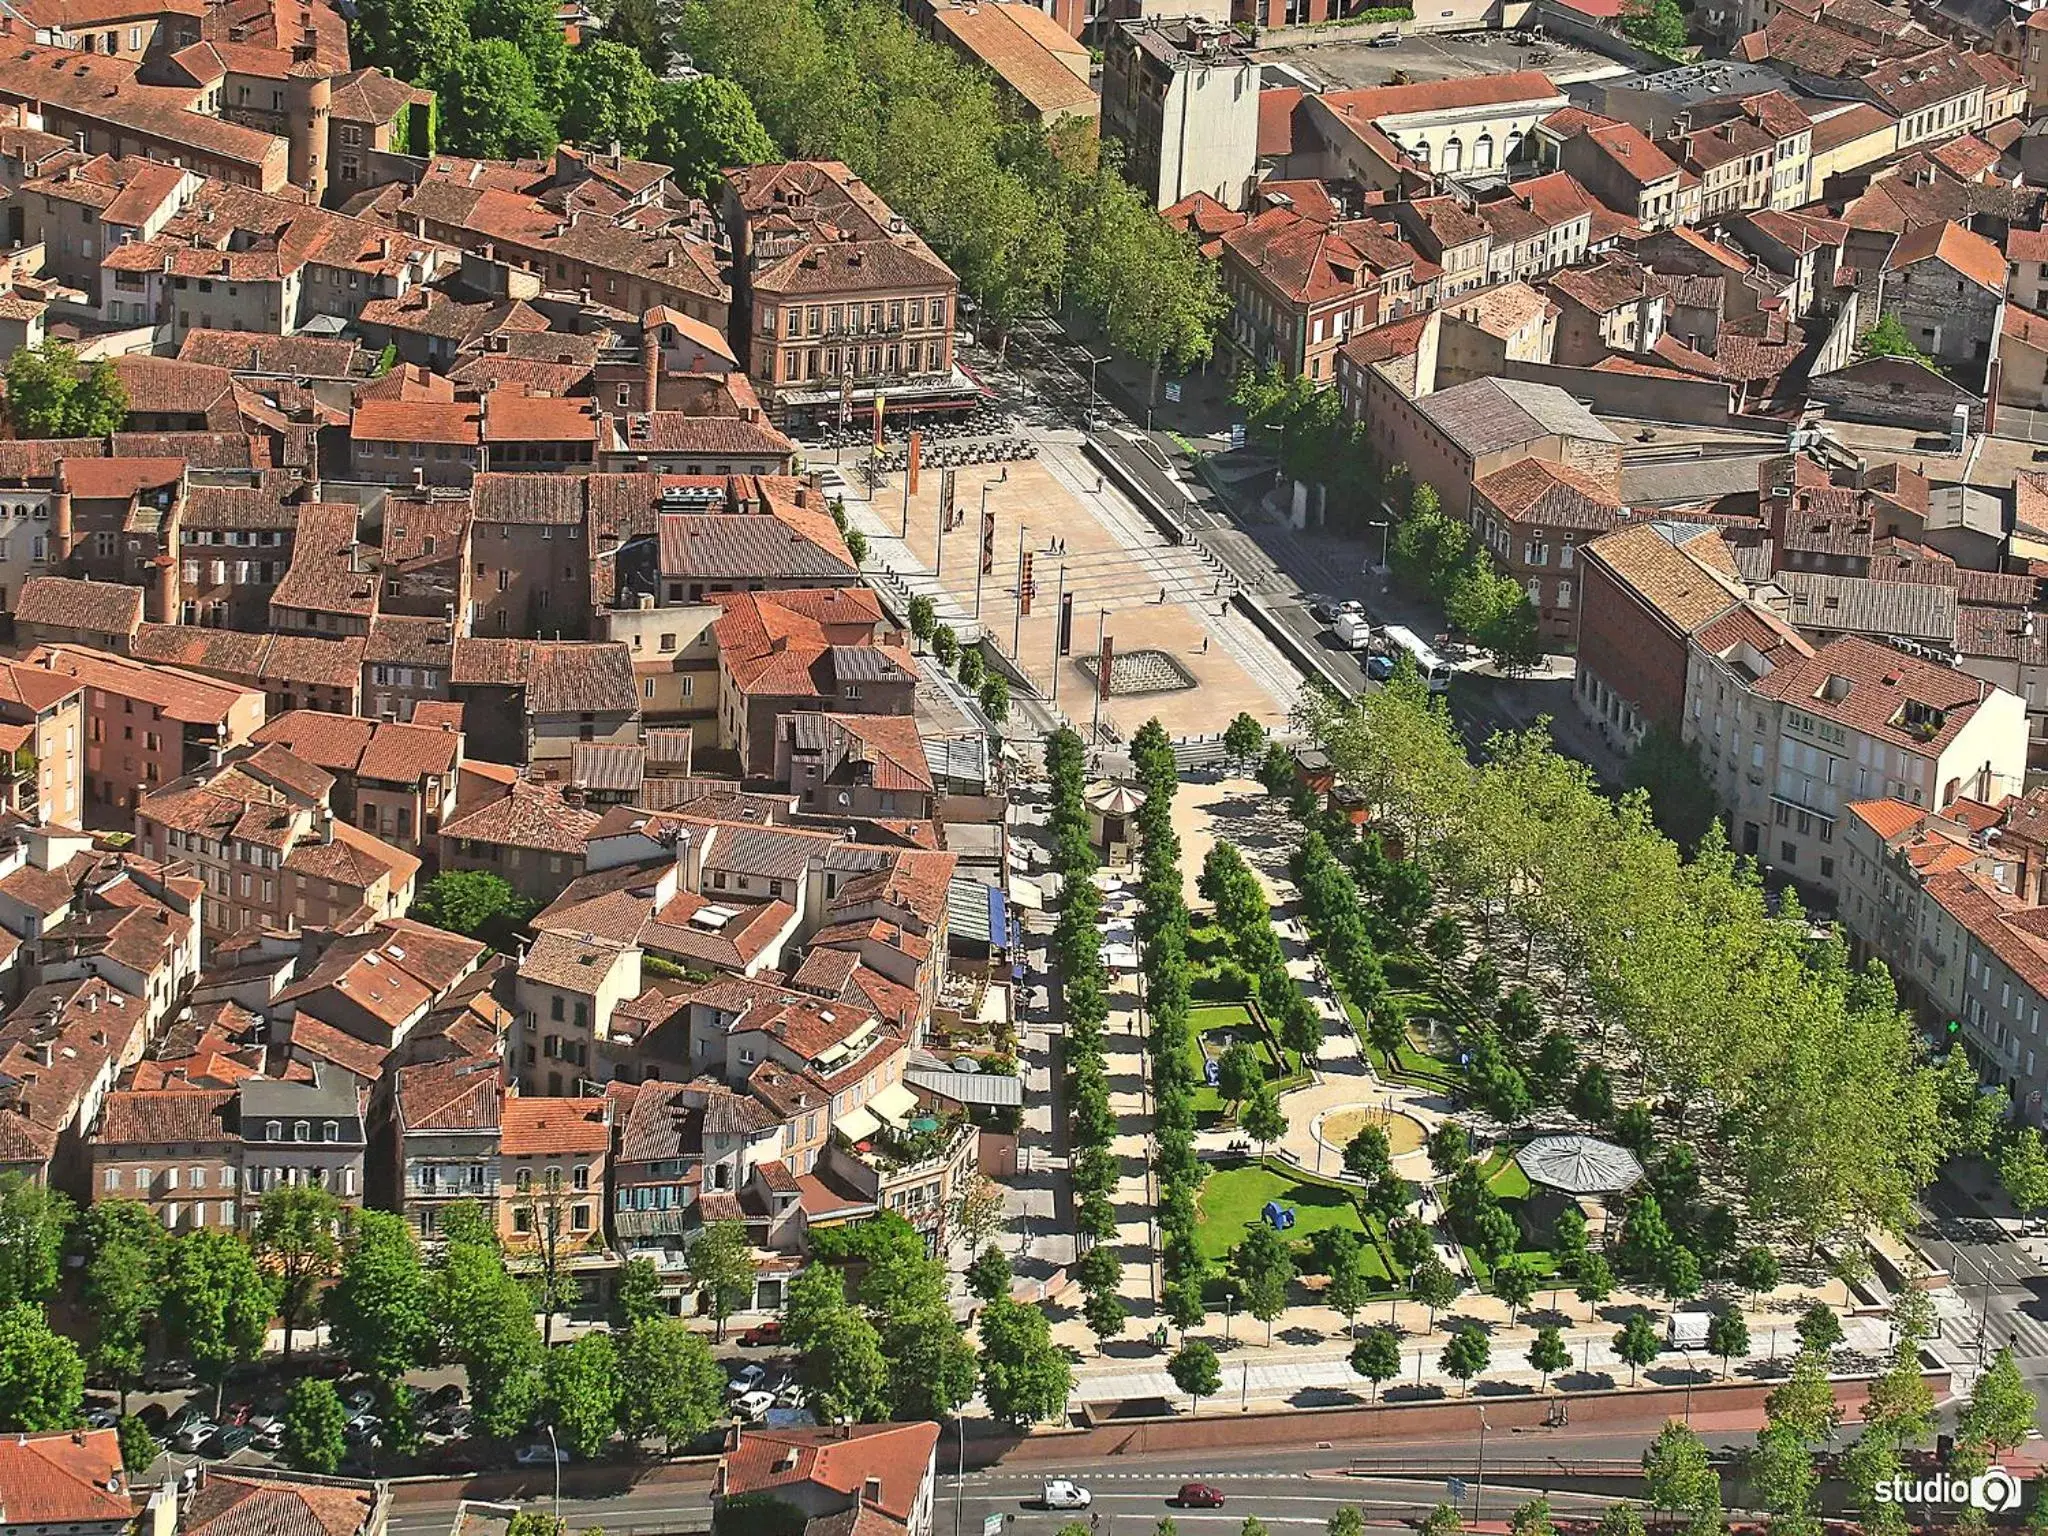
{"x":326,"y":574}
{"x":1607,"y":285}
{"x":510,"y":417}
{"x":182,"y":696}
{"x":581,"y":677}
{"x":784,"y":546}
{"x":1276,"y":120}
{"x":62,"y":1479}
{"x":1966,"y":254}
{"x":33,"y":689}
{"x":542,"y":1127}
{"x":529,"y":815}
{"x":1304,"y":258}
{"x":333,"y":742}
{"x":840,"y":1461}
{"x":62,"y":602}
{"x":404,"y":754}
{"x":678,"y":432}
{"x":1887,"y":818}
{"x":576,"y":962}
{"x":235,"y":1505}
{"x":1380,"y":101}
{"x":461,"y":1094}
{"x":417,"y":421}
{"x":1668,"y":578}
{"x":1027,"y":50}
{"x":1867,"y":687}
{"x":167,"y":1115}
{"x":1550,"y":495}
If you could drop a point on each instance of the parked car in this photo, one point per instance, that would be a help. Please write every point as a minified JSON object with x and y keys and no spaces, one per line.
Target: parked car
{"x":154,"y":1417}
{"x":168,"y":1376}
{"x":452,"y":1421}
{"x":227,"y":1440}
{"x":441,"y":1399}
{"x":1060,"y":1493}
{"x":195,"y":1434}
{"x":102,"y":1418}
{"x":1379,"y":668}
{"x":361,"y":1399}
{"x":1199,"y":1496}
{"x":769,"y":1332}
{"x":754,"y":1405}
{"x":539,"y":1454}
{"x":362,"y":1429}
{"x":266,"y":1423}
{"x":1384,"y":40}
{"x":270,"y":1442}
{"x":746,"y":1379}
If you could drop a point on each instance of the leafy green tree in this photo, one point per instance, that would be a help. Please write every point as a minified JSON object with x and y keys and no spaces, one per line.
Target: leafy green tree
{"x":1442,"y":1521}
{"x":1728,"y":1336}
{"x":1377,"y":1357}
{"x":1349,"y":1285}
{"x":1240,"y":1071}
{"x":1658,"y":25}
{"x":1262,"y":1118}
{"x":2023,"y":1170}
{"x":485,"y":1317}
{"x":994,"y":695}
{"x":295,"y":1226}
{"x":608,"y":97}
{"x":1637,"y":1345}
{"x":1514,"y":1282}
{"x":945,"y":646}
{"x":637,"y":1297}
{"x":1818,"y":1327}
{"x":314,"y":1420}
{"x":1888,"y":338}
{"x":1263,"y":1266}
{"x":1450,"y":1145}
{"x":1195,"y":1371}
{"x":1900,"y":1405}
{"x":843,"y":1371}
{"x":532,"y":27}
{"x":702,"y":125}
{"x":50,"y":394}
{"x":217,"y":1304}
{"x":33,"y":1222}
{"x":1781,"y":1468}
{"x":1805,"y":1401}
{"x":139,"y":1448}
{"x":638,"y":24}
{"x":2001,"y":1410}
{"x":491,"y":103}
{"x":722,"y":1267}
{"x":415,"y":40}
{"x":1432,"y":1283}
{"x":1756,"y":1270}
{"x":1466,"y":1355}
{"x":123,"y":1284}
{"x":475,"y":903}
{"x":1682,"y":799}
{"x":1678,"y":1475}
{"x":1623,"y":1519}
{"x":1347,"y":1521}
{"x":1595,"y":1283}
{"x":1593,"y":1097}
{"x":932,"y":1367}
{"x":1244,"y":739}
{"x":379,"y":1309}
{"x":923,"y":616}
{"x":582,"y":1393}
{"x":1549,"y":1354}
{"x":1367,"y":1155}
{"x":1531,"y":1519}
{"x":669,"y":1384}
{"x":989,"y":1276}
{"x":42,"y":1378}
{"x":1680,"y":1274}
{"x":1106,"y":1315}
{"x":1025,"y":1378}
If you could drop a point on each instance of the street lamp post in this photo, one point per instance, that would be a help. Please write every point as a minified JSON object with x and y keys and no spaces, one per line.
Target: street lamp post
{"x":555,"y":1449}
{"x":1059,"y":609}
{"x":1092,"y":361}
{"x":1385,"y":529}
{"x":1688,"y":1386}
{"x":1479,"y":1484}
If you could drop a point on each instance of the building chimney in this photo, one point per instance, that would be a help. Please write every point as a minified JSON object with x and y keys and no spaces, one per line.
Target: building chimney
{"x":326,"y":826}
{"x":60,"y":517}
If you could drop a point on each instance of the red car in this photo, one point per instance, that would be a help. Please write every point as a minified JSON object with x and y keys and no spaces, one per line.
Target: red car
{"x":769,"y":1332}
{"x":1199,"y":1496}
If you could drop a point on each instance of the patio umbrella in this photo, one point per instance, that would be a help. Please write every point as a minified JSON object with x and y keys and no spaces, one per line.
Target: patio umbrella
{"x":1579,"y":1165}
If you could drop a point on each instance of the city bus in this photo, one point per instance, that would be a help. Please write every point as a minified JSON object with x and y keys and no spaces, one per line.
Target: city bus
{"x":1436,"y":672}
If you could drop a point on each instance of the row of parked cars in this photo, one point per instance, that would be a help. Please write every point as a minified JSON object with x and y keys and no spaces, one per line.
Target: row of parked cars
{"x":196,"y":1430}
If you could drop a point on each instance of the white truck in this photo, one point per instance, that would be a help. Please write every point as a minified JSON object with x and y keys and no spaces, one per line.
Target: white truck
{"x":1352,"y":630}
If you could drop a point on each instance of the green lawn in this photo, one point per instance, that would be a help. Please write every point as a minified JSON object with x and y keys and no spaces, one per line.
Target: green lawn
{"x":1411,"y":1063}
{"x":1233,"y":1196}
{"x":1505,"y":1178}
{"x":1215,"y":1027}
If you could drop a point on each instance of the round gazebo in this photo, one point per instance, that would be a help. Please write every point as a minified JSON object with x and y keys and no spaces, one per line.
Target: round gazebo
{"x":1579,"y":1166}
{"x":1111,"y":808}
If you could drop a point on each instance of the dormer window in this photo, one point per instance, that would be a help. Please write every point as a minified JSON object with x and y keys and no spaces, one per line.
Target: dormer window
{"x":273,"y":1132}
{"x":330,"y":1132}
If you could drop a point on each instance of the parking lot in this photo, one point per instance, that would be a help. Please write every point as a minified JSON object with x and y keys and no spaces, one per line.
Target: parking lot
{"x":1344,"y":58}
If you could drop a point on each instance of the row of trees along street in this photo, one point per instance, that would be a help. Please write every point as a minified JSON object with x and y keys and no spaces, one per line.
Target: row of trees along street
{"x":1091,"y":1124}
{"x":1029,"y":218}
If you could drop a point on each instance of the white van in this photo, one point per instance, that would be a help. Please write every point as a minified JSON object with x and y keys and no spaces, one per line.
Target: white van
{"x":1436,"y":672}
